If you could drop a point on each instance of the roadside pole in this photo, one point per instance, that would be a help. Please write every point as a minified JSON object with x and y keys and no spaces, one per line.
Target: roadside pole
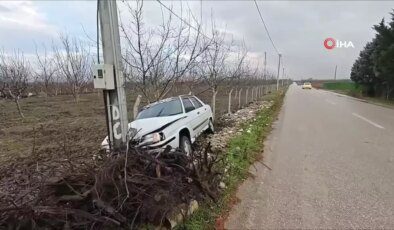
{"x":265,"y":73}
{"x":115,"y":99}
{"x":277,"y":78}
{"x":335,"y":73}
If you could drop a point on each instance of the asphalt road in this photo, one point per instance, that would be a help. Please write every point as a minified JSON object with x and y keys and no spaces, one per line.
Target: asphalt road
{"x":332,"y":161}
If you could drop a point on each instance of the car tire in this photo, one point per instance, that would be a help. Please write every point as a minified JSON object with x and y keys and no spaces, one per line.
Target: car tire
{"x":211,"y":128}
{"x":185,"y":145}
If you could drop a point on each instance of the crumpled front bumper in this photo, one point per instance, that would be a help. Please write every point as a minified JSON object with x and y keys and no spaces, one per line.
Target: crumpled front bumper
{"x":162,"y":144}
{"x":173,"y":142}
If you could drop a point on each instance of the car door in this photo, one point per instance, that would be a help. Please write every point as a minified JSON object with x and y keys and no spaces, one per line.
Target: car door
{"x":192,"y":115}
{"x":202,"y":114}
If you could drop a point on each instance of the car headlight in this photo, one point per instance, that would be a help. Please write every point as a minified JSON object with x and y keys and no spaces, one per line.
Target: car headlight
{"x":152,"y":138}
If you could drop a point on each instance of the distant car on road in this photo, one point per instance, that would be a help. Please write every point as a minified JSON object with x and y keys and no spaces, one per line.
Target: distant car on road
{"x":175,"y":121}
{"x":307,"y":85}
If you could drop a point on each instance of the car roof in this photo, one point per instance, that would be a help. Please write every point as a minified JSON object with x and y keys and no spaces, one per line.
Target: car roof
{"x":168,"y":99}
{"x":186,"y":95}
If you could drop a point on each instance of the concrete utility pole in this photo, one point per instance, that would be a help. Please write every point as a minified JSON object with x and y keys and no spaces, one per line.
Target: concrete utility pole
{"x":277,"y":78}
{"x":335,"y":74}
{"x":265,"y":71}
{"x":115,"y":100}
{"x":265,"y":65}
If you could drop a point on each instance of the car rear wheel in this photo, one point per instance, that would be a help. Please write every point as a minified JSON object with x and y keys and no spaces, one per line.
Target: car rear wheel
{"x":210,"y":129}
{"x":185,"y":145}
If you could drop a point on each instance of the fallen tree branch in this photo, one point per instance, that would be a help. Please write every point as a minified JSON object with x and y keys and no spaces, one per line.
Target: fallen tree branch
{"x":127,"y":190}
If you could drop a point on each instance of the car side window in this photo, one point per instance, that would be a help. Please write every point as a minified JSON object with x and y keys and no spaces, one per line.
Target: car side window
{"x":196,"y":103}
{"x":188,"y":105}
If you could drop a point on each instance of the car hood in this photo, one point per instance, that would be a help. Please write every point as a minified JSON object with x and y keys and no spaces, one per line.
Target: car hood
{"x":154,"y":124}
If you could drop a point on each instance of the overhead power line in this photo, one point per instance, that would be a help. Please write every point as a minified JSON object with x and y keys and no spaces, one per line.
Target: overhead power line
{"x":183,"y":20}
{"x":265,"y":26}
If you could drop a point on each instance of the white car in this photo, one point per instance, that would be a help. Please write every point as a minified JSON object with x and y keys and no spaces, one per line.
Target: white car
{"x":175,"y":121}
{"x":307,"y":85}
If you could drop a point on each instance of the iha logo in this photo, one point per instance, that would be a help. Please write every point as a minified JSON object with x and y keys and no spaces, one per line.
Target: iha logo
{"x":331,"y":43}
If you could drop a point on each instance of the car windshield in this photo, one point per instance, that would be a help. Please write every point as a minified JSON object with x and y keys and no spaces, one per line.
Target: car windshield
{"x":161,"y":109}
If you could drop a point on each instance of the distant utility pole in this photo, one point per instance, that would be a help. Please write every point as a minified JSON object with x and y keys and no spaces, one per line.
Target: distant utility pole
{"x":265,"y":71}
{"x":283,"y":75}
{"x":277,"y":78}
{"x":265,"y":65}
{"x":115,"y":100}
{"x":335,"y":74}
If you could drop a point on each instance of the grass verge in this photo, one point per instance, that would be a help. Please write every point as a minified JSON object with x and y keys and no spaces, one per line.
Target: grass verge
{"x":340,"y":85}
{"x":351,"y":89}
{"x":242,"y":152}
{"x":344,"y":87}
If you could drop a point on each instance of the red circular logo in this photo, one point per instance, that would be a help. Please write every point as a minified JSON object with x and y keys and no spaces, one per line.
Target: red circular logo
{"x":329,"y":43}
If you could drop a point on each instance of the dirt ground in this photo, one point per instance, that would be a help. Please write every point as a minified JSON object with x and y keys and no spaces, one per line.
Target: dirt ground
{"x":58,"y":126}
{"x":51,"y":124}
{"x":59,"y":140}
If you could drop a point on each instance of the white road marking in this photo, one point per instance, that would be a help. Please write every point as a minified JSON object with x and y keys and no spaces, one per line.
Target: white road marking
{"x":367,"y":120}
{"x":331,"y":102}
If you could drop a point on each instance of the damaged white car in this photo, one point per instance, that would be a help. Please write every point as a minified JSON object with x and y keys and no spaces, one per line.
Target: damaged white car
{"x":175,"y":121}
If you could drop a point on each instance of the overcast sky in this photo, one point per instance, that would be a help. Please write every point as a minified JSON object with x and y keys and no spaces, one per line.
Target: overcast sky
{"x":298,"y":28}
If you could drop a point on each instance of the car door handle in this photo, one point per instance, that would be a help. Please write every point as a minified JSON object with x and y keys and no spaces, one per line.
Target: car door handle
{"x":198,"y":112}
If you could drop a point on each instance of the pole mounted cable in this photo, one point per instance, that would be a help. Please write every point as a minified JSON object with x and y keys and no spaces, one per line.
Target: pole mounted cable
{"x":199,"y":31}
{"x":265,"y":26}
{"x":183,"y":20}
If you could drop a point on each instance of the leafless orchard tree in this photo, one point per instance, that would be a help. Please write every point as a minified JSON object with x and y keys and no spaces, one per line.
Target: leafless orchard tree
{"x":213,"y":67}
{"x":14,"y":75}
{"x":239,"y":69}
{"x":191,"y":80}
{"x":157,"y":58}
{"x":270,"y":80}
{"x":46,"y":70}
{"x":58,"y":79}
{"x":239,"y":72}
{"x":222,"y":64}
{"x":73,"y":60}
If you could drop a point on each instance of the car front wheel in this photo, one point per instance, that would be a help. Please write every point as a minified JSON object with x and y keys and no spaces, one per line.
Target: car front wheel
{"x":185,"y":145}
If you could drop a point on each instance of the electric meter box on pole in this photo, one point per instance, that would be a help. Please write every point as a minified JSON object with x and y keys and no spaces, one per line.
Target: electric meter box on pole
{"x":103,"y":76}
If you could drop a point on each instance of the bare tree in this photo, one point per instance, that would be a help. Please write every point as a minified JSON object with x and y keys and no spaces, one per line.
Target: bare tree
{"x":157,"y":58}
{"x":240,"y":68}
{"x":213,"y":66}
{"x":223,"y":64}
{"x":73,"y":60}
{"x":58,"y":79}
{"x":14,"y":75}
{"x":46,"y":70}
{"x":191,"y":80}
